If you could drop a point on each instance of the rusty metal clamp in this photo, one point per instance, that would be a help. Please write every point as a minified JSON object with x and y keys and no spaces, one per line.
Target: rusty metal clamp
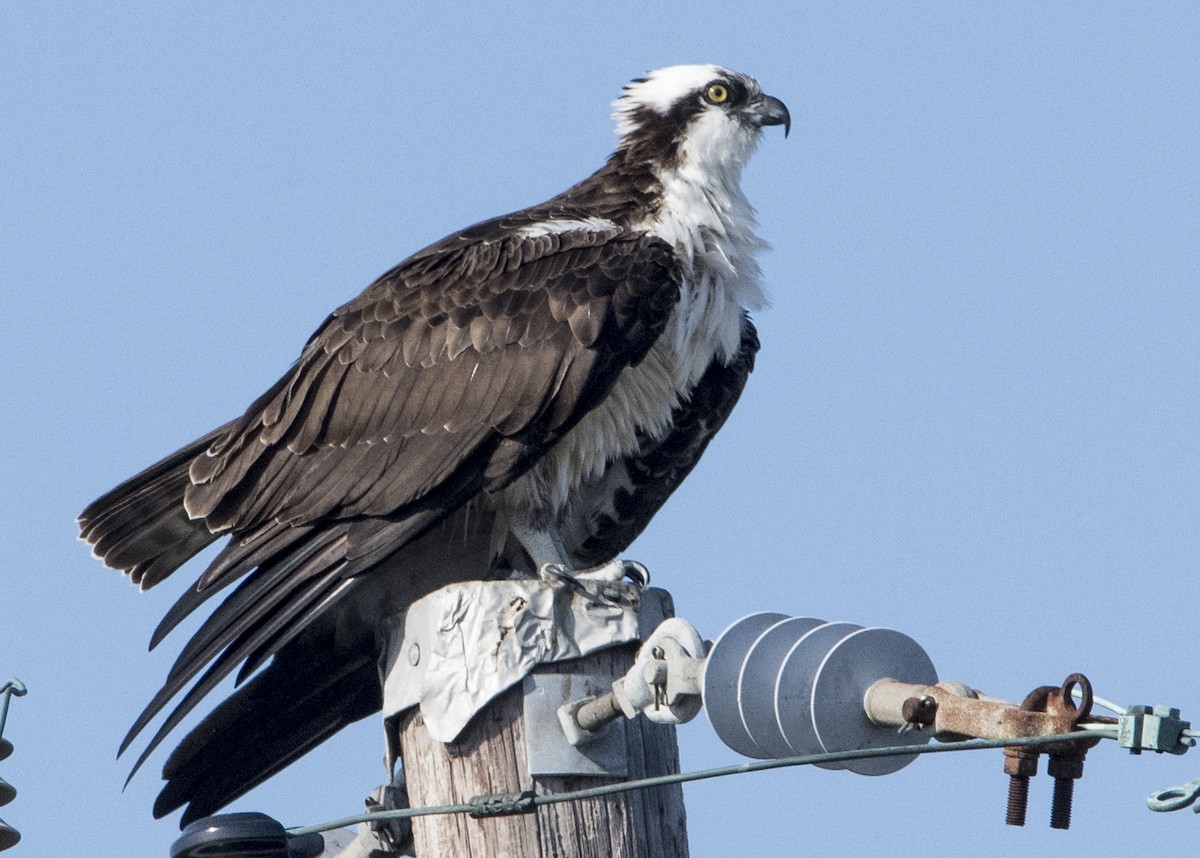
{"x":1065,"y":760}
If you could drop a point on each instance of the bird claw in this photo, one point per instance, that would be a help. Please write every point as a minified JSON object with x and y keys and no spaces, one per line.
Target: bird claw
{"x":615,"y":571}
{"x":555,"y":573}
{"x":637,"y":573}
{"x":612,"y":572}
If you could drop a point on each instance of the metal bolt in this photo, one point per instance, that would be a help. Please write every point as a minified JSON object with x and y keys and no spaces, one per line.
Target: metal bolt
{"x":592,"y":715}
{"x":1065,"y":767}
{"x":919,"y":711}
{"x":658,"y":670}
{"x":1018,"y":800}
{"x":1060,"y":807}
{"x":1020,"y":764}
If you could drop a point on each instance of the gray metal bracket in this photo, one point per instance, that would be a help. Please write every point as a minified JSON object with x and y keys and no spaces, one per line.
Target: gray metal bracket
{"x":547,"y":749}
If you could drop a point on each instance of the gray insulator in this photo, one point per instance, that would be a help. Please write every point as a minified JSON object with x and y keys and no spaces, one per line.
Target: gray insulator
{"x":777,"y":687}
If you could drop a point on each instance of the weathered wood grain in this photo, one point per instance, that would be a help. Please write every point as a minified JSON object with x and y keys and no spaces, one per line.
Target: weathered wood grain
{"x":489,"y":757}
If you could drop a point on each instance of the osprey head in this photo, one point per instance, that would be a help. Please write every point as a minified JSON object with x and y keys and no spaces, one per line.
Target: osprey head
{"x":700,"y":114}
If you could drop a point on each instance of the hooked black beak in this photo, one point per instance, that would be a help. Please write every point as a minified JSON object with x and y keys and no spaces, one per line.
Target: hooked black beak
{"x":768,"y":110}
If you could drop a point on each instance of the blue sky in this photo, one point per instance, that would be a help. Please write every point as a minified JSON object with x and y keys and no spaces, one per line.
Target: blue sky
{"x":974,"y":419}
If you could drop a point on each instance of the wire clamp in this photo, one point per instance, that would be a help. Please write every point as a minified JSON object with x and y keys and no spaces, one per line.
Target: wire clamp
{"x":1159,"y":729}
{"x":503,"y":804}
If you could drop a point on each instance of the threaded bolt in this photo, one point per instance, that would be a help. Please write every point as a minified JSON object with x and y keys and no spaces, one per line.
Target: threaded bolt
{"x":1020,"y":764}
{"x":1060,"y":807}
{"x":1018,"y":799}
{"x":1065,"y":767}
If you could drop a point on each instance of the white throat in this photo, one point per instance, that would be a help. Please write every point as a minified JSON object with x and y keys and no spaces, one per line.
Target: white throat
{"x":708,"y":220}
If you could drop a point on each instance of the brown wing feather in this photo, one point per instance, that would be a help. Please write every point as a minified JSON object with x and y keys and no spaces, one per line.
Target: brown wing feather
{"x":400,"y":363}
{"x":447,"y":376}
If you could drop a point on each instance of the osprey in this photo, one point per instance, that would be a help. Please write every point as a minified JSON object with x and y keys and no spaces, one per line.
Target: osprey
{"x":527,"y":391}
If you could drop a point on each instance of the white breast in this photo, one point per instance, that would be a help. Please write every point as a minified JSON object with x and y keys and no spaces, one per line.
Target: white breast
{"x":709,"y":222}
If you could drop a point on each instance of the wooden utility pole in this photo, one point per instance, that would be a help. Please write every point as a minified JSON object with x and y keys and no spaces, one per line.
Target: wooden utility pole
{"x":490,"y":757}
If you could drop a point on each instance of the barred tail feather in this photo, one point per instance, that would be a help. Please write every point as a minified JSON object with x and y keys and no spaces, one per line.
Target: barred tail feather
{"x":141,"y":527}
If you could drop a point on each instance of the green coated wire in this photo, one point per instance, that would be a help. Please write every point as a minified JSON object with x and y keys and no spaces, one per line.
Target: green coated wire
{"x":705,"y":774}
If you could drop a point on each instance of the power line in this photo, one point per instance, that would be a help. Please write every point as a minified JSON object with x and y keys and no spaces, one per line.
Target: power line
{"x":527,"y":801}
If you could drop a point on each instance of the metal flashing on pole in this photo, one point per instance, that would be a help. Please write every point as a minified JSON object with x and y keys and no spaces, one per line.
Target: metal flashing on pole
{"x":456,"y":649}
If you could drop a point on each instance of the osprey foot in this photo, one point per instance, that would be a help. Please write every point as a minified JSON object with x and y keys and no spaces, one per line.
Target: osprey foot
{"x":612,"y":571}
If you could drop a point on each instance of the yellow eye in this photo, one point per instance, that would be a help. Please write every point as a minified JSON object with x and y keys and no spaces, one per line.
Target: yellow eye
{"x":716,"y":93}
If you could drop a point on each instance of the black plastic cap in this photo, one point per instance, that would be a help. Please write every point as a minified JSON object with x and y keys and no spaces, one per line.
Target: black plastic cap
{"x":243,"y":835}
